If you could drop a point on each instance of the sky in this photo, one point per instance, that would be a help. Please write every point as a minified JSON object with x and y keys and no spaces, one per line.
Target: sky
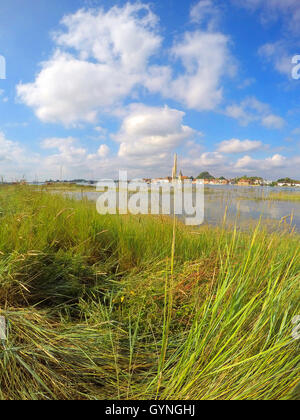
{"x":93,"y":87}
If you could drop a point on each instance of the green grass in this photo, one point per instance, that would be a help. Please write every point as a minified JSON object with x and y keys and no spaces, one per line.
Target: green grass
{"x":284,"y":196}
{"x":65,"y":186}
{"x":100,"y":307}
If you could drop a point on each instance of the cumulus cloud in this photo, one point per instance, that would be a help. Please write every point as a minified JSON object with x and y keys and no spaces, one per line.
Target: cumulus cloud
{"x":206,"y":11}
{"x":248,"y":163}
{"x":206,"y":59}
{"x":239,"y":146}
{"x":147,"y":139}
{"x":252,"y":110}
{"x":273,"y":122}
{"x":112,"y":50}
{"x":9,"y":151}
{"x":207,"y":160}
{"x":66,"y":155}
{"x":69,"y":153}
{"x":14,"y":160}
{"x":277,"y":53}
{"x":71,"y":160}
{"x":103,"y":151}
{"x":103,"y":57}
{"x":149,"y":131}
{"x":273,"y":167}
{"x":68,"y":90}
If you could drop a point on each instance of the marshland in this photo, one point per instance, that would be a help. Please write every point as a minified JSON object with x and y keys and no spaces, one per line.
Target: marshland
{"x":158,"y":306}
{"x":143,"y":307}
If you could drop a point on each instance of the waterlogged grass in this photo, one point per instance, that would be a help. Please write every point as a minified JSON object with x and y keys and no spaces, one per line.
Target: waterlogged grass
{"x":283,"y":196}
{"x":65,"y":187}
{"x":97,"y":307}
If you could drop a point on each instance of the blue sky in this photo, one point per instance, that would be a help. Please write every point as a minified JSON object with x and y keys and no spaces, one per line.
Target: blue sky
{"x":96,"y":86}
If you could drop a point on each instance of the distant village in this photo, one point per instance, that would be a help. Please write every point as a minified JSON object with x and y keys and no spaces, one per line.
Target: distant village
{"x":204,"y":177}
{"x":244,"y":181}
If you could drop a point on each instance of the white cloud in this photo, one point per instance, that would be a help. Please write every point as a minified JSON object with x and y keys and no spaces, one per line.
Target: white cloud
{"x":207,"y":160}
{"x":252,"y":110}
{"x":249,"y":110}
{"x":103,"y":58}
{"x":206,"y":60}
{"x":103,"y":151}
{"x":112,"y":51}
{"x":147,"y":140}
{"x":69,"y":154}
{"x":9,"y":151}
{"x":206,"y":11}
{"x":273,"y":122}
{"x":100,"y":130}
{"x":68,"y":158}
{"x":193,"y":148}
{"x":69,"y":90}
{"x":239,"y":146}
{"x":73,"y":160}
{"x":2,"y":96}
{"x":152,"y":132}
{"x":278,"y":55}
{"x":296,"y":131}
{"x":248,"y":163}
{"x":14,"y":160}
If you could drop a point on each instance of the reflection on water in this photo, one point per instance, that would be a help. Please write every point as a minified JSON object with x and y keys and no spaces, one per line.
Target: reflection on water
{"x":243,"y":205}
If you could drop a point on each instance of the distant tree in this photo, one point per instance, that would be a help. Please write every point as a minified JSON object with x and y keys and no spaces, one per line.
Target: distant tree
{"x":254,"y":178}
{"x":205,"y":175}
{"x":287,"y":181}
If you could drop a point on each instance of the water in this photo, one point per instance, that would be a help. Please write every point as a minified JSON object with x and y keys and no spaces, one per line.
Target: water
{"x":243,"y":206}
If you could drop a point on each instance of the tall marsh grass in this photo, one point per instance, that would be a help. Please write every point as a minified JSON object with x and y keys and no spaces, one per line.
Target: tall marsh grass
{"x":87,"y":304}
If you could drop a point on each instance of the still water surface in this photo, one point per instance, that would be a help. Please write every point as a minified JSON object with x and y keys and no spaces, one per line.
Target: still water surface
{"x":243,"y":206}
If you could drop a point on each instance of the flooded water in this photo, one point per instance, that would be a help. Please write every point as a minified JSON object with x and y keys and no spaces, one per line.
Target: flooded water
{"x":243,"y":206}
